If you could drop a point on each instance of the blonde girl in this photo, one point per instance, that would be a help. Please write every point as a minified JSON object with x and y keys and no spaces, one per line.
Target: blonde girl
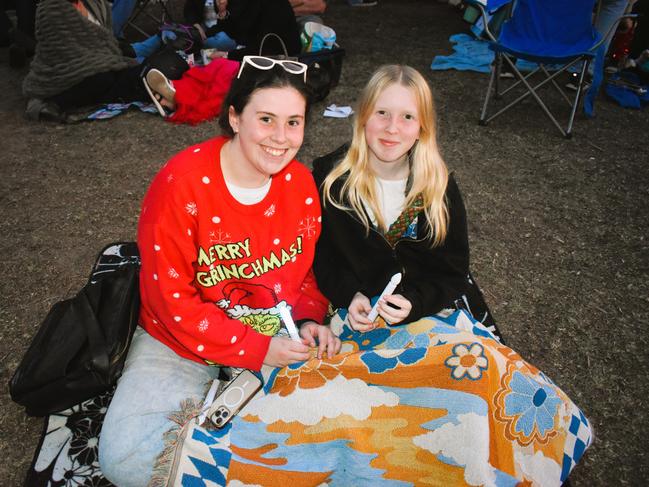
{"x":390,"y":205}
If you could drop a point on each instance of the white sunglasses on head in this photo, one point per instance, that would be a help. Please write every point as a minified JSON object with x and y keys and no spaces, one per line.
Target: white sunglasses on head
{"x":265,"y":63}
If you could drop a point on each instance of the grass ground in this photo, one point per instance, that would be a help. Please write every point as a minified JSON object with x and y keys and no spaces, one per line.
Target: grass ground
{"x":558,"y":227}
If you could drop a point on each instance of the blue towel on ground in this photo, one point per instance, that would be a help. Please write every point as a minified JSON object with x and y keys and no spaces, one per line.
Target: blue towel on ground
{"x":471,"y":55}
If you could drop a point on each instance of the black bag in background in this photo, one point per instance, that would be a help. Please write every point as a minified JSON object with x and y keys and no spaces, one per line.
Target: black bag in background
{"x":181,"y":37}
{"x":324,"y":66}
{"x":324,"y":71}
{"x":167,"y":61}
{"x":80,"y":348}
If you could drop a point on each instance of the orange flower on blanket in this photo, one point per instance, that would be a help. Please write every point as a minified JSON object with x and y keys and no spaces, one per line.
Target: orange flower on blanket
{"x":467,"y":361}
{"x":308,"y":375}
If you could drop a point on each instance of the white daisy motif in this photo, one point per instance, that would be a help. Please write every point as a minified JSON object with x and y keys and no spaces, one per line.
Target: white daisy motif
{"x":309,"y":200}
{"x":156,"y":247}
{"x":288,"y":177}
{"x":203,"y":325}
{"x":155,"y":277}
{"x":233,"y":339}
{"x":307,"y":227}
{"x":220,"y":237}
{"x":205,"y":180}
{"x":276,"y":241}
{"x":198,"y":149}
{"x":216,"y":219}
{"x":189,"y":232}
{"x":170,"y":178}
{"x":467,"y":361}
{"x":200,"y":348}
{"x":172,"y":273}
{"x":191,"y":208}
{"x":319,"y":219}
{"x":241,"y":352}
{"x":176,"y":295}
{"x":270,"y":211}
{"x":277,"y":288}
{"x":177,"y":318}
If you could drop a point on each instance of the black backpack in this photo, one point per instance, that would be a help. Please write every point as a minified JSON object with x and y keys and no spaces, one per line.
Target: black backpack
{"x":80,"y":347}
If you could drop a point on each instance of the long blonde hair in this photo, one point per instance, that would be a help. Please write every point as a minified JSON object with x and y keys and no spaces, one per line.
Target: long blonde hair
{"x":428,"y":172}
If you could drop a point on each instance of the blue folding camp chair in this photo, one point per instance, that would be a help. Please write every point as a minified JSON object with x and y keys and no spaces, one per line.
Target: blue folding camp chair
{"x":555,"y":33}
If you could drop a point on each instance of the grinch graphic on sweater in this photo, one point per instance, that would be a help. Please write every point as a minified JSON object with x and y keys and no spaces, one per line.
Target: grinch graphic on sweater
{"x":263,"y":317}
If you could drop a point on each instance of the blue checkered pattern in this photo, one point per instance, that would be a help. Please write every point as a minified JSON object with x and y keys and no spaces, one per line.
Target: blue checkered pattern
{"x":580,"y":436}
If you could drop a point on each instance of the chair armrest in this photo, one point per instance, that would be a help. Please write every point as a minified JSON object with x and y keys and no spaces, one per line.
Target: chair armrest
{"x":483,"y":6}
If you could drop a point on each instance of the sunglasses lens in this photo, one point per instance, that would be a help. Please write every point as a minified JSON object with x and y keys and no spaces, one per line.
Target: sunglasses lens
{"x":261,"y":62}
{"x":292,"y":67}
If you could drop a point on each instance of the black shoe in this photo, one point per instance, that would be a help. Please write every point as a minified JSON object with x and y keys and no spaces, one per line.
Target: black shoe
{"x":42,"y":110}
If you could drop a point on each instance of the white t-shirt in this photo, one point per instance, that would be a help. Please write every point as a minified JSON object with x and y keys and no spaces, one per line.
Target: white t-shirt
{"x":249,"y":196}
{"x":392,"y":196}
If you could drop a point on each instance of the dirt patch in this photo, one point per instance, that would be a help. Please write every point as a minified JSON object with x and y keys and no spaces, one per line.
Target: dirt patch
{"x":558,"y":227}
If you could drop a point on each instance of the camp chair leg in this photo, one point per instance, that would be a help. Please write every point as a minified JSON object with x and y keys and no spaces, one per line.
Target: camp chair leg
{"x":531,"y":91}
{"x":518,"y":82}
{"x":498,"y":65}
{"x":485,"y":105}
{"x":556,"y":85}
{"x":582,"y":74}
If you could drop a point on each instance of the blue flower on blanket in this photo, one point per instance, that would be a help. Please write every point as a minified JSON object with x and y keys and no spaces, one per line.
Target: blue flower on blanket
{"x":467,"y":361}
{"x":529,"y":407}
{"x":379,"y":361}
{"x":365,"y":341}
{"x":403,"y":347}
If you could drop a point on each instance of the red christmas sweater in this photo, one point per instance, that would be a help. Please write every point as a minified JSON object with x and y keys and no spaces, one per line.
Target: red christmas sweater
{"x":214,"y":270}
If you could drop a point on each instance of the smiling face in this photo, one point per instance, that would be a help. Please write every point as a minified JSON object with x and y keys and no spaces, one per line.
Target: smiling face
{"x":392,"y":129}
{"x":269,"y":132}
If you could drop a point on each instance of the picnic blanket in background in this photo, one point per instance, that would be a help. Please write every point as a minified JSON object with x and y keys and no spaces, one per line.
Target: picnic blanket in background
{"x":436,"y":402}
{"x":107,"y":111}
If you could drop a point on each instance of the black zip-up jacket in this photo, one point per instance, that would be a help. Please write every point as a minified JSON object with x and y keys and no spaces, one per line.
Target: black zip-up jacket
{"x":347,"y":260}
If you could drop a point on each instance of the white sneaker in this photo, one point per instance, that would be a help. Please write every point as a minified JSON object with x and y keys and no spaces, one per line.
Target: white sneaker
{"x":159,"y":87}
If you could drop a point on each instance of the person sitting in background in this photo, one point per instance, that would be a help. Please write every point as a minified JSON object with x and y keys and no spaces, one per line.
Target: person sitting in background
{"x":78,"y":62}
{"x":121,"y":12}
{"x":308,"y":11}
{"x":194,"y":98}
{"x":242,"y":24}
{"x":235,"y":28}
{"x":19,"y":39}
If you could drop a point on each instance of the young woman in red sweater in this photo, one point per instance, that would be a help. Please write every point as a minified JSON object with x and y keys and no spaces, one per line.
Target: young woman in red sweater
{"x":227,"y":236}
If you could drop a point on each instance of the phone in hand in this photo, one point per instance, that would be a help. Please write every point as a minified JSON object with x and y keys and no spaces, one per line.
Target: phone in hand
{"x":234,"y":397}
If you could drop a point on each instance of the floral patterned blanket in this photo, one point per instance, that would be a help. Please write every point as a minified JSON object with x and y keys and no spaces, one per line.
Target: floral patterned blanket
{"x":437,"y":402}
